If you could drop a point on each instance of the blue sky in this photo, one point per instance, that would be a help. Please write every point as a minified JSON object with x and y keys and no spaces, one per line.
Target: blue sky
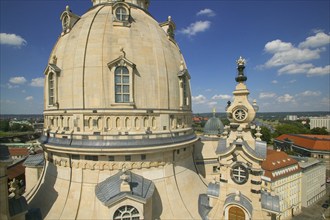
{"x":285,"y":44}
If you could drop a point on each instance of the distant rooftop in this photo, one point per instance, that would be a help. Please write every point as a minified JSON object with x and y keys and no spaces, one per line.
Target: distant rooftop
{"x":308,"y":141}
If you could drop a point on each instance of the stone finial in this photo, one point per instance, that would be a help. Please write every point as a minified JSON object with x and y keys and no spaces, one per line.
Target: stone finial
{"x":258,"y":134}
{"x":125,"y":186}
{"x":67,"y":8}
{"x":239,"y":134}
{"x":123,"y":52}
{"x":169,"y":18}
{"x":181,"y":65}
{"x":213,"y":110}
{"x":240,"y":61}
{"x":54,"y":59}
{"x":14,"y":188}
{"x":237,"y":196}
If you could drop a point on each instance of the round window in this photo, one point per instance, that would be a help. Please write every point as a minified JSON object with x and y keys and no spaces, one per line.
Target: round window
{"x":239,"y":173}
{"x":240,"y":114}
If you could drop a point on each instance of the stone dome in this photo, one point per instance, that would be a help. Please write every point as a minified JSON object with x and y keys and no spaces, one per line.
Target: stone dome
{"x":116,"y":71}
{"x":213,"y":126}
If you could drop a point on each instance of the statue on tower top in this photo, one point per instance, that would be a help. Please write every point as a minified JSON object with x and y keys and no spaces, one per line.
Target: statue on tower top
{"x":240,"y":67}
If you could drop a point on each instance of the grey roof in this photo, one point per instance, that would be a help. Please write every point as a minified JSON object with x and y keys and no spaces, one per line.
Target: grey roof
{"x":109,"y":192}
{"x":118,"y":143}
{"x":33,"y":214}
{"x":213,"y":126}
{"x":269,"y":202}
{"x":203,"y":206}
{"x":17,"y":206}
{"x":222,"y":147}
{"x":213,"y":189}
{"x":243,"y":202}
{"x":34,"y":160}
{"x":4,"y":153}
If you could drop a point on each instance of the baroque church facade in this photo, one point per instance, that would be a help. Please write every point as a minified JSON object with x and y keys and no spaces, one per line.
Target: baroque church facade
{"x":118,"y":138}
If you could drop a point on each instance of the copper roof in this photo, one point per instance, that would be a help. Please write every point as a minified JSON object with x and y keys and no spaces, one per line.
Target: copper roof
{"x":18,"y":151}
{"x":308,"y":141}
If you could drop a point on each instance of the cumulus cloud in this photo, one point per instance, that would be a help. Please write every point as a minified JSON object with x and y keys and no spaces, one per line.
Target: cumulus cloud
{"x":29,"y":98}
{"x":12,"y":40}
{"x":266,"y":95}
{"x":291,"y":59}
{"x":223,"y":97}
{"x":17,"y":80}
{"x":200,"y":99}
{"x":310,"y":93}
{"x":207,"y":12}
{"x":319,"y":71}
{"x":285,"y":98}
{"x":318,"y":40}
{"x":274,"y":81}
{"x":37,"y":82}
{"x":196,"y":27}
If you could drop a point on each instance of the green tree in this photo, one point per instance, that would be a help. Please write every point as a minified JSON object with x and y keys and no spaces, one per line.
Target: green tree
{"x":4,"y":125}
{"x":290,"y":128}
{"x":266,"y":134}
{"x":317,"y":130}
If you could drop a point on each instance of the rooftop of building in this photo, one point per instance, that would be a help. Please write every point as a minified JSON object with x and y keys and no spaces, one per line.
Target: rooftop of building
{"x":308,"y":141}
{"x":279,"y":160}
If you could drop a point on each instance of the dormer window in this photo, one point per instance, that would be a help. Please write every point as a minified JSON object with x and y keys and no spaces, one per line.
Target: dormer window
{"x":51,"y":73}
{"x":122,"y":85}
{"x":184,"y":87}
{"x":121,"y":14}
{"x":68,"y":20}
{"x":122,"y":72}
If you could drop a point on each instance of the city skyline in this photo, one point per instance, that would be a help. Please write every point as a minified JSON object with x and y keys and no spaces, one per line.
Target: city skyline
{"x":285,"y":44}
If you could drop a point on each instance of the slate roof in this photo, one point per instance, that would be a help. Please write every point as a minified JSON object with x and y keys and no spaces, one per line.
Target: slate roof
{"x":213,"y":126}
{"x":109,"y":192}
{"x":310,"y":142}
{"x":17,"y":206}
{"x":4,"y":153}
{"x":203,"y":206}
{"x":36,"y":160}
{"x":119,"y":143}
{"x":269,"y":202}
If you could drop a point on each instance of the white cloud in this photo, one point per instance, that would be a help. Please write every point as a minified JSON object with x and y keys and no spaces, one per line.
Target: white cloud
{"x":310,"y":93}
{"x":10,"y":86}
{"x":200,"y":99}
{"x":12,"y":39}
{"x":8,"y":102}
{"x":196,"y":27}
{"x":293,"y":55}
{"x":223,"y":97}
{"x":29,"y":98}
{"x":37,"y":82}
{"x":319,"y":71}
{"x":17,"y":80}
{"x":212,"y":104}
{"x":266,"y":95}
{"x":207,"y":12}
{"x":318,"y":40}
{"x":295,"y":68}
{"x":285,"y":98}
{"x":274,"y":81}
{"x":292,"y":81}
{"x":277,"y":46}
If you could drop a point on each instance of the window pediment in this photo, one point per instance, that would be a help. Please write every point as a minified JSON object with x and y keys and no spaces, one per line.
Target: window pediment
{"x":52,"y":68}
{"x":68,"y":20}
{"x":121,"y":61}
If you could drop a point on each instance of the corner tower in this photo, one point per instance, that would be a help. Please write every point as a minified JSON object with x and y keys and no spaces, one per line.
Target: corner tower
{"x":117,"y":119}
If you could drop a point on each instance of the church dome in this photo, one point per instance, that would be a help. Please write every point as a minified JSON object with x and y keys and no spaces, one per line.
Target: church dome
{"x":213,"y":126}
{"x":116,"y":71}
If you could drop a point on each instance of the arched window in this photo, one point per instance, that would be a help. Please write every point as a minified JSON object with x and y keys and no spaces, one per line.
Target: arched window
{"x":121,"y":13}
{"x":126,"y":212}
{"x":184,"y":91}
{"x":122,"y":85}
{"x":51,"y":89}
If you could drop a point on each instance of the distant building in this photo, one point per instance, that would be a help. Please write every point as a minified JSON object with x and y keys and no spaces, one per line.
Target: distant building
{"x":282,"y":177}
{"x":291,"y":118}
{"x":320,"y":122}
{"x":313,"y":185}
{"x":316,"y":146}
